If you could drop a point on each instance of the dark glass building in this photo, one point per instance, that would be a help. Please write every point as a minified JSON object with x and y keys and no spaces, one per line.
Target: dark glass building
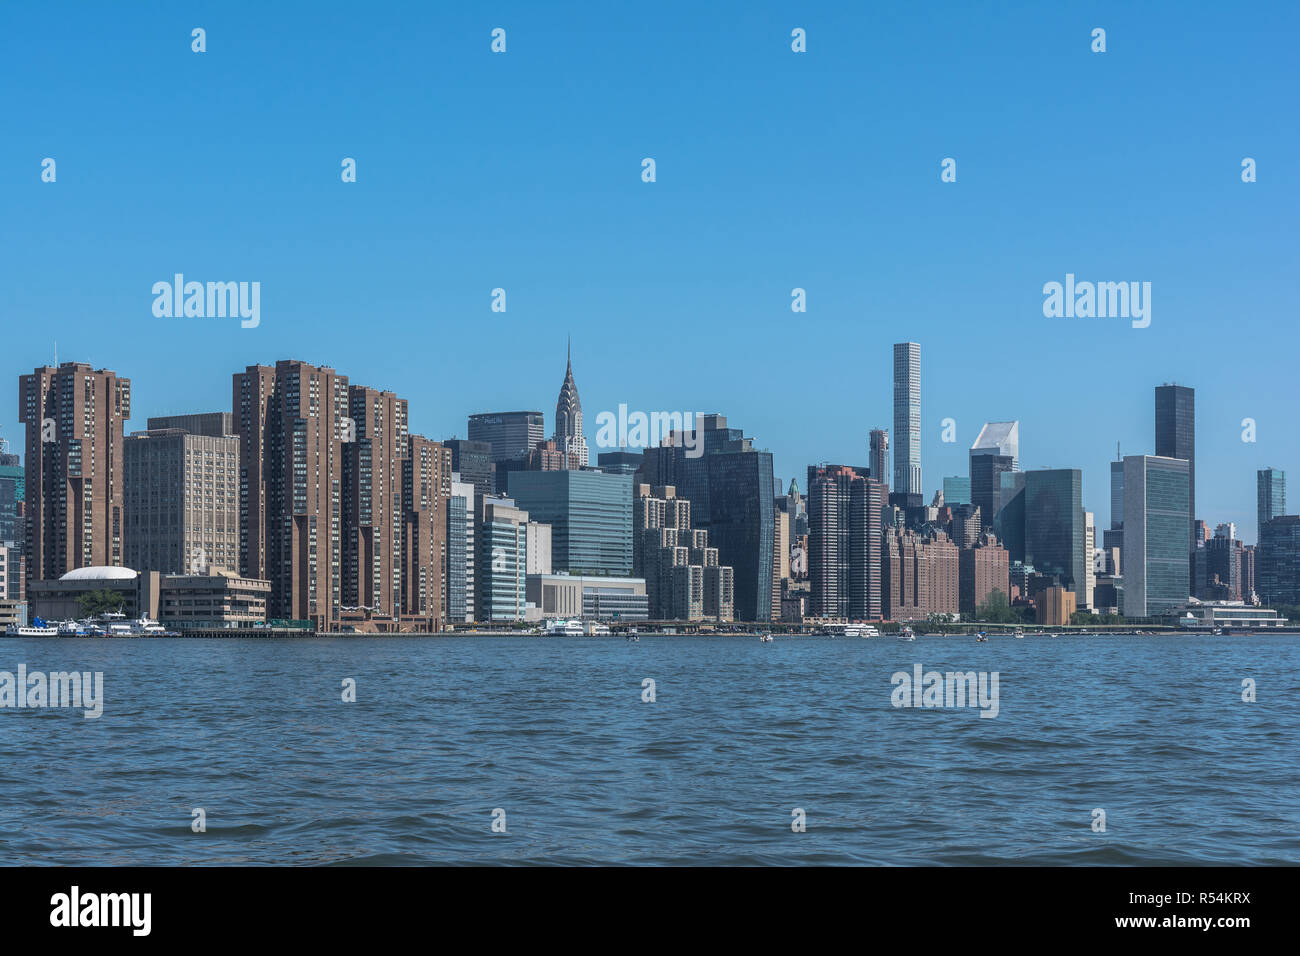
{"x":1277,"y":570}
{"x":1009,"y":521}
{"x":1176,"y":438}
{"x":741,"y":526}
{"x":1270,"y":485}
{"x":986,"y":471}
{"x":1055,"y":526}
{"x":619,"y":462}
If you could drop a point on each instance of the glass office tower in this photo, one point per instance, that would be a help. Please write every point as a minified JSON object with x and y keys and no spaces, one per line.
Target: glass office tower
{"x":590,"y":514}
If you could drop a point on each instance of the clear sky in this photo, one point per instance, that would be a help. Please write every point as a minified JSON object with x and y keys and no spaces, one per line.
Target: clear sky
{"x":775,"y":170}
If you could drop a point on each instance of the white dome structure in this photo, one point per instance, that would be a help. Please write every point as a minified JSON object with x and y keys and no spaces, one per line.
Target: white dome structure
{"x":100,"y":573}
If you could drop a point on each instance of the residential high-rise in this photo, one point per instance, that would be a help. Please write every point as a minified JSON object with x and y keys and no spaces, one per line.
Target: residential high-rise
{"x":569,"y":438}
{"x":292,"y":421}
{"x":548,"y":456}
{"x":845,"y":551}
{"x":1270,"y":496}
{"x":508,"y":434}
{"x":73,"y":481}
{"x":181,"y":501}
{"x":684,"y":580}
{"x":426,"y":487}
{"x":1155,"y":560}
{"x":907,"y":424}
{"x":983,"y":569}
{"x":878,"y":463}
{"x":1055,"y":527}
{"x":590,"y":514}
{"x":922,"y":573}
{"x":1176,"y":438}
{"x":729,"y":485}
{"x":376,"y":442}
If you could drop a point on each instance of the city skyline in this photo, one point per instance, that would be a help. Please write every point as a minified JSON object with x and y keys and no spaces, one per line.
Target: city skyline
{"x":1093,"y":497}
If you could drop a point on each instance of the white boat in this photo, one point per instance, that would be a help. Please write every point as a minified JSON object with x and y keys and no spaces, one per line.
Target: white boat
{"x":1019,"y":633}
{"x":564,"y":628}
{"x":765,"y":638}
{"x":31,"y":630}
{"x":906,"y":634}
{"x":861,"y":630}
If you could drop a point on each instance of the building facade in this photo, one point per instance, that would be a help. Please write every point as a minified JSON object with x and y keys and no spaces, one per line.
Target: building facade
{"x":1155,"y":561}
{"x":181,"y":498}
{"x":845,"y":543}
{"x":1176,"y":438}
{"x":292,"y":421}
{"x":73,"y":477}
{"x":590,"y":514}
{"x":1270,"y":496}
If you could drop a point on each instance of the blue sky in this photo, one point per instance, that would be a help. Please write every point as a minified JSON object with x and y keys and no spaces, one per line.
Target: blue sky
{"x":775,"y":170}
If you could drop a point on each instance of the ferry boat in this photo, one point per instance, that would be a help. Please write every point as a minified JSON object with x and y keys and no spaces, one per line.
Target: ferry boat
{"x":38,"y":628}
{"x":564,"y":628}
{"x":861,"y":630}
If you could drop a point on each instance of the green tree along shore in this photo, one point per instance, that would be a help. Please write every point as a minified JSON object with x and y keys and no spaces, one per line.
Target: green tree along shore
{"x":98,"y":602}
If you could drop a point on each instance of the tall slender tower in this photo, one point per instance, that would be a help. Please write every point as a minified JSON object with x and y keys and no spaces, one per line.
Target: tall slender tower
{"x":74,"y":417}
{"x":568,"y":419}
{"x":1176,"y":438}
{"x":907,"y":422}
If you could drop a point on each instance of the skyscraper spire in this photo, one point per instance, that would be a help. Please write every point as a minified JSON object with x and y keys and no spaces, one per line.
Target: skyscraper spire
{"x":568,"y":417}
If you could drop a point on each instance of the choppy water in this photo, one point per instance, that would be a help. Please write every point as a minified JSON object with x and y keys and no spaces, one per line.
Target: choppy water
{"x":554,"y":731}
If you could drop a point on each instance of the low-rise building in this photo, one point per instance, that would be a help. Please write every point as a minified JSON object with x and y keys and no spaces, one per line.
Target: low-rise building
{"x":593,"y":598}
{"x":220,"y":599}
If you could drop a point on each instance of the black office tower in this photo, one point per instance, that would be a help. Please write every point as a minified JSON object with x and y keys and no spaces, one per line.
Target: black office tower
{"x":1176,"y":438}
